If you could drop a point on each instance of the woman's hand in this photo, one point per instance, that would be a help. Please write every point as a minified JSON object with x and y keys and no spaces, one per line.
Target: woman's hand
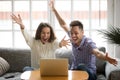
{"x":64,"y":42}
{"x":17,"y":20}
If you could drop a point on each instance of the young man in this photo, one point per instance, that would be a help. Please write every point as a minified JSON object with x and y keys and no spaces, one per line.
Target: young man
{"x":84,"y":49}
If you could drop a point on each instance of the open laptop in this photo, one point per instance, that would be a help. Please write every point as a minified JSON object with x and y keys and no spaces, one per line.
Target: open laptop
{"x":54,"y":67}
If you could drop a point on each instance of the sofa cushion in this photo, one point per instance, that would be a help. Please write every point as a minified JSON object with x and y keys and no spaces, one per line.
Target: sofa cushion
{"x":101,"y":77}
{"x":11,"y":76}
{"x":64,"y":53}
{"x":4,"y":66}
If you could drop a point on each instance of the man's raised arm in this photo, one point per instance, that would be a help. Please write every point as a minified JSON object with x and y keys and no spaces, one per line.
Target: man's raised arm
{"x":60,"y":20}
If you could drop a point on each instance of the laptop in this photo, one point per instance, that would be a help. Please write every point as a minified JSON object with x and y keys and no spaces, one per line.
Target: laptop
{"x":54,"y":67}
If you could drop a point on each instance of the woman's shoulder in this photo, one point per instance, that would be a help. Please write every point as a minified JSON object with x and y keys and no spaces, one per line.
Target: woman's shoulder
{"x":56,"y":41}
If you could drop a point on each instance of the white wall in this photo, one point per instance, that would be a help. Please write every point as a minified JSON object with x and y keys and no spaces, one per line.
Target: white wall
{"x":114,"y":19}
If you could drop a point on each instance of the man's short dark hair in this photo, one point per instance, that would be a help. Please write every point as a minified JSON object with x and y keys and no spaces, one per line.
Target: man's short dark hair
{"x":76,"y":23}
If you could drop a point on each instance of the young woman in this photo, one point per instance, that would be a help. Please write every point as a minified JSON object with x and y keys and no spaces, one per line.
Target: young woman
{"x":44,"y":44}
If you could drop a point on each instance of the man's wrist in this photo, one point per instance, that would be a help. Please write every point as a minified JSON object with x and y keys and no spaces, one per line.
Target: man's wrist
{"x":53,"y":9}
{"x":22,"y":26}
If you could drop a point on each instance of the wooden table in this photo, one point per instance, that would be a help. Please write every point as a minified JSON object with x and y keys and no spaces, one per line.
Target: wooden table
{"x":72,"y":75}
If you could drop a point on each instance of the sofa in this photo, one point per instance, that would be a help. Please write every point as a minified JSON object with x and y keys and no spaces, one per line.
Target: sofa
{"x":19,"y":58}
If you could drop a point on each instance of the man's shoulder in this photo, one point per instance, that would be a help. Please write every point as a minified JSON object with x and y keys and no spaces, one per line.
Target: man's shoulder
{"x":87,"y":39}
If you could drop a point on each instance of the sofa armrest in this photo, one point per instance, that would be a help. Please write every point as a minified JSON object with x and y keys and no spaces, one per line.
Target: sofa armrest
{"x":113,"y":72}
{"x":100,"y":64}
{"x":17,"y":58}
{"x":114,"y":75}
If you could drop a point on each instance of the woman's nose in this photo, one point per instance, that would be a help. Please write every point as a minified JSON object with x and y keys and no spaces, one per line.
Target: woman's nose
{"x":45,"y":35}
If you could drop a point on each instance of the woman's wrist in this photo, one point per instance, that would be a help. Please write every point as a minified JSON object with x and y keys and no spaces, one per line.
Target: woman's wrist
{"x":21,"y":28}
{"x":60,"y":44}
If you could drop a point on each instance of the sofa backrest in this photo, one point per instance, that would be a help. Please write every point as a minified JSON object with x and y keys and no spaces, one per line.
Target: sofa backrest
{"x":17,"y":58}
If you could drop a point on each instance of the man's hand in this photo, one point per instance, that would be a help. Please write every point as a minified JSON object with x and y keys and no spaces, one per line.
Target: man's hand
{"x":104,"y":56}
{"x":111,"y":60}
{"x":51,"y":4}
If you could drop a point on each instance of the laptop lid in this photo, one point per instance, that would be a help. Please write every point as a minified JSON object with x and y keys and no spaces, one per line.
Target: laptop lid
{"x":54,"y":67}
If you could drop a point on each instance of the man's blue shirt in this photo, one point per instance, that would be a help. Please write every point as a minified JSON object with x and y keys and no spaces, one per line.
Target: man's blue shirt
{"x":82,"y":54}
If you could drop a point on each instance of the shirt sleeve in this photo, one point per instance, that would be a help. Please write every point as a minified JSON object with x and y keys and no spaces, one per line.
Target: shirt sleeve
{"x":91,"y":44}
{"x":56,"y":44}
{"x":28,"y":38}
{"x":68,"y":33}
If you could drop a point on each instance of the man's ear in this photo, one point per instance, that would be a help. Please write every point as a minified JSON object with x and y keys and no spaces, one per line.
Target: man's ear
{"x":82,"y":31}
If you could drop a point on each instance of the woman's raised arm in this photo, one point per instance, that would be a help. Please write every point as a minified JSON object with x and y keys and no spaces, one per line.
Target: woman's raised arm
{"x":28,"y":38}
{"x":18,"y":20}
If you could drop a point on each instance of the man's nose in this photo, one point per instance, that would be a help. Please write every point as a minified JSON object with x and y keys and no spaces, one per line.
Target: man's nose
{"x":73,"y":35}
